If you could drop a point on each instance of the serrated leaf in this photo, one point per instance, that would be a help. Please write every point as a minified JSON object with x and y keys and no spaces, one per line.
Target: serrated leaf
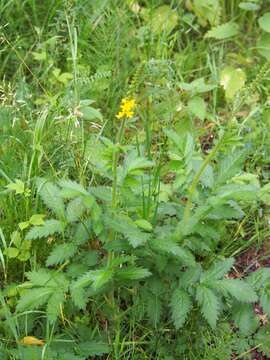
{"x":217,"y":270}
{"x":49,"y":227}
{"x":71,"y":189}
{"x":231,"y":210}
{"x":264,"y":22}
{"x":180,"y":306}
{"x":259,"y":279}
{"x":93,"y":348}
{"x":262,"y":340}
{"x":265,"y":301}
{"x":50,"y":194}
{"x":245,"y":319}
{"x":197,"y":107}
{"x":144,"y":224}
{"x":97,"y":278}
{"x":223,"y":31}
{"x":132,"y":273}
{"x":54,"y":305}
{"x":61,"y":253}
{"x":125,"y":226}
{"x":189,"y":277}
{"x":209,"y":304}
{"x":237,"y":288}
{"x":34,"y":298}
{"x":170,"y":247}
{"x":78,"y":296}
{"x":75,"y":209}
{"x":230,"y":165}
{"x":232,"y":81}
{"x":40,"y":277}
{"x":238,"y":192}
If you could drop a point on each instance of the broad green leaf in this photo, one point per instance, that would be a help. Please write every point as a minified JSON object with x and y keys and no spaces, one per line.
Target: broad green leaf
{"x":39,"y":56}
{"x":209,"y":304}
{"x":264,"y":194}
{"x":163,"y":19}
{"x":16,"y":239}
{"x":90,"y":113}
{"x":24,"y":225}
{"x":17,"y":186}
{"x":11,"y":252}
{"x":232,"y":81}
{"x":223,"y":31}
{"x":208,"y":11}
{"x":197,"y":107}
{"x":197,"y":86}
{"x":249,"y":6}
{"x":24,"y":255}
{"x":180,"y":307}
{"x":264,"y":22}
{"x":37,"y":219}
{"x":263,"y":46}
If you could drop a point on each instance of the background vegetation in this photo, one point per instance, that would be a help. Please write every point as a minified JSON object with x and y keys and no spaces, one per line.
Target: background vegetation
{"x":144,"y":236}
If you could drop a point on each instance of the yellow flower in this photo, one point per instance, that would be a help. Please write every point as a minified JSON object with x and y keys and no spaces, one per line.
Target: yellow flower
{"x":126,"y":108}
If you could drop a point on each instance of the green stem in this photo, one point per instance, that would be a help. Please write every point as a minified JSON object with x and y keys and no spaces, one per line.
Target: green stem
{"x":115,"y":163}
{"x":114,"y":183}
{"x":196,"y":179}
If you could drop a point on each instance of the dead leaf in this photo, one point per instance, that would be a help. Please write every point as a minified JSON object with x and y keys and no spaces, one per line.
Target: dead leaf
{"x":31,"y":340}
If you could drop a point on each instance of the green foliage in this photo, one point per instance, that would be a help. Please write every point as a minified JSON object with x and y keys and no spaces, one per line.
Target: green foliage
{"x":127,"y":232}
{"x":181,"y":306}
